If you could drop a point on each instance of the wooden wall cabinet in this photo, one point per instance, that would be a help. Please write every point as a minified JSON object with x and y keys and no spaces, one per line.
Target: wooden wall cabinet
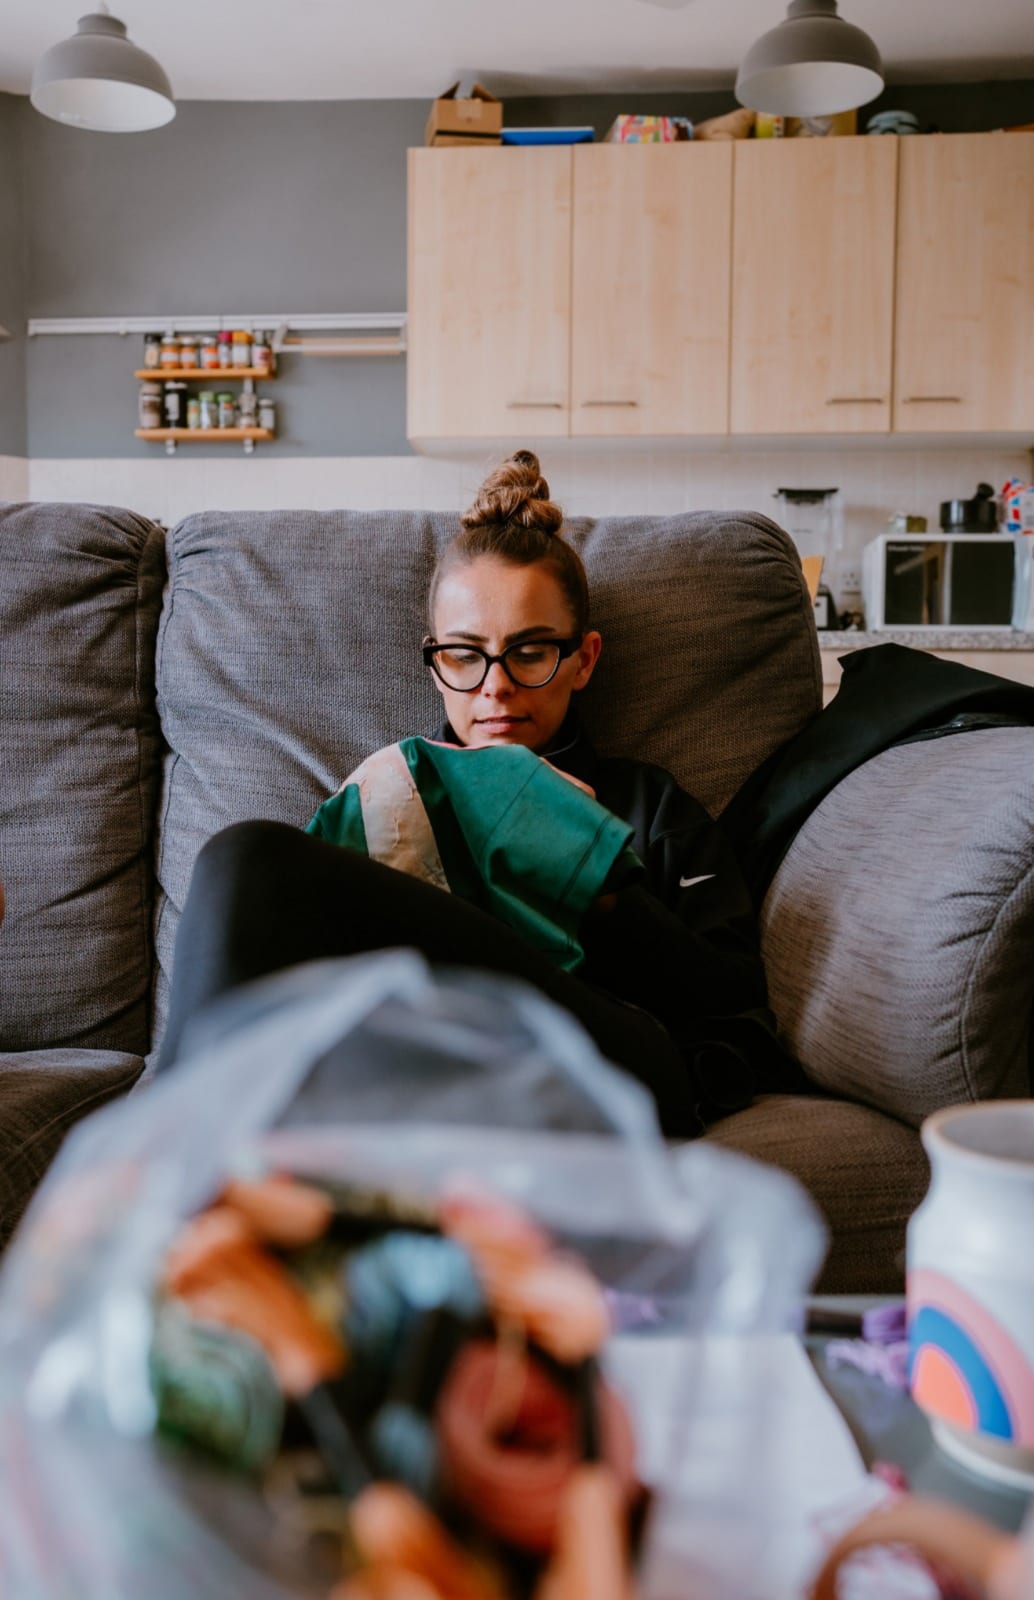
{"x":769,"y":287}
{"x":813,"y":285}
{"x":964,"y":345}
{"x":489,"y":323}
{"x":650,"y":301}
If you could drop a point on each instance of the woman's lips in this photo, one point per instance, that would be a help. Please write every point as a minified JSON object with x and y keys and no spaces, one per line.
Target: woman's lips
{"x":497,"y":723}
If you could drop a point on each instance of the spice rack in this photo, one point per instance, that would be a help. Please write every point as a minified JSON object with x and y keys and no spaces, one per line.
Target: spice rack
{"x":212,"y":376}
{"x":174,"y":436}
{"x":172,"y":426}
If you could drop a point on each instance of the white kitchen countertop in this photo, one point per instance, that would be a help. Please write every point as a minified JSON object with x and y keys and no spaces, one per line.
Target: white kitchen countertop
{"x":929,"y":639}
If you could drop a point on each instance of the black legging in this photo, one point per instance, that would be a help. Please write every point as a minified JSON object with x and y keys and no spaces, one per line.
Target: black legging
{"x":266,"y":896}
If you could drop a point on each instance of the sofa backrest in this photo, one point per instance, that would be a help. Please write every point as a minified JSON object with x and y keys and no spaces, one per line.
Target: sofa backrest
{"x":80,"y":596}
{"x":288,"y":652}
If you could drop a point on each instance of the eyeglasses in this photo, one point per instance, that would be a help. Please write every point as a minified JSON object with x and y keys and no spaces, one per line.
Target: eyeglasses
{"x":530,"y":664}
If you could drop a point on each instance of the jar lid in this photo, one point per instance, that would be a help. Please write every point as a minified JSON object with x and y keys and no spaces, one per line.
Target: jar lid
{"x":242,"y":333}
{"x":149,"y":338}
{"x":225,"y":394}
{"x":150,"y":388}
{"x":208,"y":338}
{"x":206,"y":394}
{"x":224,"y":336}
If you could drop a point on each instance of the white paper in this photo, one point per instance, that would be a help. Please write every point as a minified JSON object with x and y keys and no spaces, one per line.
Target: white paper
{"x":758,"y":1454}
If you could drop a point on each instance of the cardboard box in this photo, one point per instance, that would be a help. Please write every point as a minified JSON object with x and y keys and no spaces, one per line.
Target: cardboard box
{"x":471,"y":120}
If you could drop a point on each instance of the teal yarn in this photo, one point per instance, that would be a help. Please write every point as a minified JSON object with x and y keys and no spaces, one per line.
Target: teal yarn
{"x":405,"y":1448}
{"x":393,"y":1281}
{"x":215,"y":1388}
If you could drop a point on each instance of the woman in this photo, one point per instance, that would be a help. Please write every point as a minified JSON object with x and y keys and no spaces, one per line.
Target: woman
{"x":671,"y":987}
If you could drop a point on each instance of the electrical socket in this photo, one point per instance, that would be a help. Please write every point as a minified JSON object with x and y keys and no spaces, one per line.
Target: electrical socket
{"x":850,"y":580}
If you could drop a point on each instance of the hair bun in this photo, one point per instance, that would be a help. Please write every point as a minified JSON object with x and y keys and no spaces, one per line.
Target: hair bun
{"x":517,"y":494}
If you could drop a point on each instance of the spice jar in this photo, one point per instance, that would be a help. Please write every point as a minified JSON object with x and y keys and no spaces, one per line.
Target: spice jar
{"x":174,"y":399}
{"x":149,"y":408}
{"x":241,"y":348}
{"x":225,"y":408}
{"x":170,"y":350}
{"x":267,"y":414}
{"x":225,"y":349}
{"x":208,"y":412}
{"x":246,"y":408}
{"x":152,"y":351}
{"x":193,"y":412}
{"x":209,"y":353}
{"x":189,"y":350}
{"x":262,"y":354}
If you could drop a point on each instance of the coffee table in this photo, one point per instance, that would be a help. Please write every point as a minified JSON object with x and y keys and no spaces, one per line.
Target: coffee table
{"x":887,"y":1426}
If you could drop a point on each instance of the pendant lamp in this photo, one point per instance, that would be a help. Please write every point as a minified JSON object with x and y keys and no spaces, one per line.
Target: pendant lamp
{"x":99,"y":79}
{"x":813,"y":64}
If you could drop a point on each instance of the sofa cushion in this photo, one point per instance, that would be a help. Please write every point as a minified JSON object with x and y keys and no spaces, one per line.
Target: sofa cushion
{"x":42,"y":1093}
{"x":898,"y":934}
{"x":79,"y":745}
{"x":865,"y":1172}
{"x":289,"y":651}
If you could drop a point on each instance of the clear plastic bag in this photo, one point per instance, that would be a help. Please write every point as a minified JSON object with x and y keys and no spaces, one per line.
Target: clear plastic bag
{"x":378,"y":1070}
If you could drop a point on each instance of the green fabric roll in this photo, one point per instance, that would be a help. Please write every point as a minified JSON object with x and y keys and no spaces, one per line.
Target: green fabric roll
{"x":496,"y":825}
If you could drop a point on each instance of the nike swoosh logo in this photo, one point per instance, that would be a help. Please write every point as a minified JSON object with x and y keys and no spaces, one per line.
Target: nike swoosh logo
{"x":687,"y":883}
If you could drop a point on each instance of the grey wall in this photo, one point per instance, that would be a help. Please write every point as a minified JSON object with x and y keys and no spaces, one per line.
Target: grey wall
{"x":266,"y":206}
{"x":12,"y":286}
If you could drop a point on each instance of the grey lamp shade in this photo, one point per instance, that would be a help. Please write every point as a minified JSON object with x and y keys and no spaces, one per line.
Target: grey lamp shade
{"x":813,"y":64}
{"x":99,"y":79}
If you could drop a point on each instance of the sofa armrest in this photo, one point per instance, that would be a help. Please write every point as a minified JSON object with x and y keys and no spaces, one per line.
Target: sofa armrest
{"x":42,"y":1093}
{"x":898,"y":933}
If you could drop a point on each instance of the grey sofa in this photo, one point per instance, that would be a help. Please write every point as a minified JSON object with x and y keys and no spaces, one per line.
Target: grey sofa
{"x":157,"y":686}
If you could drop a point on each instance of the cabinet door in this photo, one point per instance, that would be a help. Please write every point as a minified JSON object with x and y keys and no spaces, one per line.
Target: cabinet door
{"x":650,"y":331}
{"x":488,"y":325}
{"x":813,"y":281}
{"x":965,"y":284}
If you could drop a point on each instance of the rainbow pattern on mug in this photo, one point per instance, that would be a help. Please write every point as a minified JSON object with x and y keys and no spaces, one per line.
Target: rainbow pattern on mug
{"x":963,"y":1366}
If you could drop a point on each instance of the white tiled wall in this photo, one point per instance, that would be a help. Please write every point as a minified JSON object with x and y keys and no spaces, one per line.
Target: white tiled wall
{"x":588,"y":479}
{"x":14,"y":478}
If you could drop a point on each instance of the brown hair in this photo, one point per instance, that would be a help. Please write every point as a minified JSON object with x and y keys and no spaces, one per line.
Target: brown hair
{"x":514,"y":520}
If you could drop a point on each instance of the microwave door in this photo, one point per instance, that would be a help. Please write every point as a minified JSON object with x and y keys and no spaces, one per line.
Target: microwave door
{"x":948,"y":608}
{"x":915,"y":593}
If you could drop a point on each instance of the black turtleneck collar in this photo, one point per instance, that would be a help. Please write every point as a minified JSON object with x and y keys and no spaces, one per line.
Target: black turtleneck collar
{"x":569,"y":750}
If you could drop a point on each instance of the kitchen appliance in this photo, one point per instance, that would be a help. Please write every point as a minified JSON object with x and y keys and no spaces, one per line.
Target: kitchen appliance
{"x":813,"y":519}
{"x":979,"y":515}
{"x":958,"y":580}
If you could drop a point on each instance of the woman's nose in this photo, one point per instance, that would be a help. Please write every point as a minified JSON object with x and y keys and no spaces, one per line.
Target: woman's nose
{"x":496,"y":681}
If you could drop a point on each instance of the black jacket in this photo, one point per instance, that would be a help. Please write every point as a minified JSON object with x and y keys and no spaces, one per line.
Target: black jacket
{"x":889,"y":695}
{"x":681,"y":940}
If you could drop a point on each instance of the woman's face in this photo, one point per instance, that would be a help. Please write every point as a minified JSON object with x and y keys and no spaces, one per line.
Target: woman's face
{"x":492,"y":604}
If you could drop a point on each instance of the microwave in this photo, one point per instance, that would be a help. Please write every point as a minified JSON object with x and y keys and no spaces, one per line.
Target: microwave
{"x":940,"y":580}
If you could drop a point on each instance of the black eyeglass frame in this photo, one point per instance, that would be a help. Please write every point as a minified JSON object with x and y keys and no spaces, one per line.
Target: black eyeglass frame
{"x":565,"y":649}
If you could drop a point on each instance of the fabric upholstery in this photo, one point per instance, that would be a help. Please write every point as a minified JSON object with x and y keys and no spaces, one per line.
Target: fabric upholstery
{"x":288,"y":653}
{"x":866,"y":1172}
{"x":79,"y":754}
{"x":898,"y":934}
{"x":42,"y":1093}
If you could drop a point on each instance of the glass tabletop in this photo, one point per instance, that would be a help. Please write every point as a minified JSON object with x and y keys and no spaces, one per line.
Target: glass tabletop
{"x":888,"y":1427}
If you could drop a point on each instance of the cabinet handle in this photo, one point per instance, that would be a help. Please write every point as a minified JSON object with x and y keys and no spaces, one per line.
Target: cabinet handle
{"x":856,"y":400}
{"x":609,"y":402}
{"x":534,"y":405}
{"x":933,"y":399}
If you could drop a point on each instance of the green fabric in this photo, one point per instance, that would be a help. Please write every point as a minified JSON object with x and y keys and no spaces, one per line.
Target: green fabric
{"x":339,"y":820}
{"x":514,"y":837}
